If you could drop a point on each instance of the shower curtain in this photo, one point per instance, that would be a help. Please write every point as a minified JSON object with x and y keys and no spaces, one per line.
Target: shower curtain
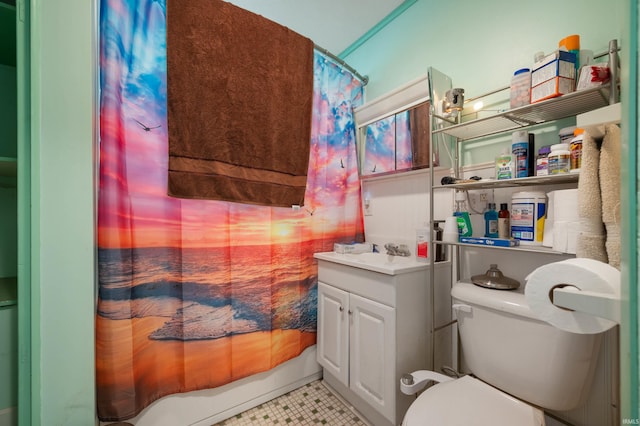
{"x":194,"y":294}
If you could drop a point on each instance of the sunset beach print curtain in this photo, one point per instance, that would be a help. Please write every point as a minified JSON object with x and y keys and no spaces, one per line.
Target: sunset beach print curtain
{"x":194,"y":294}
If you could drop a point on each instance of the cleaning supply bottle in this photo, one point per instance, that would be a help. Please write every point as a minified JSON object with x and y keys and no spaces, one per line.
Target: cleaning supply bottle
{"x":504,"y":166}
{"x":422,"y":243}
{"x":504,"y":221}
{"x":462,"y":215}
{"x":491,"y":221}
{"x":521,"y":147}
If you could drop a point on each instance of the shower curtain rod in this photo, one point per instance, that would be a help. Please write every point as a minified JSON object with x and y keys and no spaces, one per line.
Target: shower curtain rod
{"x":363,"y":78}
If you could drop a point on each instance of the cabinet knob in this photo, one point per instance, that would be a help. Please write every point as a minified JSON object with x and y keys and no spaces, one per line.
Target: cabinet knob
{"x":349,"y":311}
{"x":341,"y":308}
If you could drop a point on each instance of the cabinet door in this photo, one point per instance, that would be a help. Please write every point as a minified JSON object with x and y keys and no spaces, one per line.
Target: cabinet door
{"x":372,"y":353}
{"x":333,"y":331}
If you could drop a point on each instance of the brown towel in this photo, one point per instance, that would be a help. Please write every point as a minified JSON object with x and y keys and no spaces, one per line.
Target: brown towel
{"x":240,"y":91}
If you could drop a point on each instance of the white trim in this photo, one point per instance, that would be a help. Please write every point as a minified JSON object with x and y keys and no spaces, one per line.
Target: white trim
{"x":400,"y":99}
{"x":593,"y":122}
{"x":397,"y":174}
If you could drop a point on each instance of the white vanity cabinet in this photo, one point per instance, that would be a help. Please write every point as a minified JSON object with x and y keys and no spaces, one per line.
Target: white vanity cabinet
{"x":356,"y":343}
{"x":373,"y":326}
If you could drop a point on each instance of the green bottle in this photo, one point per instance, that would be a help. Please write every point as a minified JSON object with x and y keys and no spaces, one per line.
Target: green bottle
{"x":462,"y":216}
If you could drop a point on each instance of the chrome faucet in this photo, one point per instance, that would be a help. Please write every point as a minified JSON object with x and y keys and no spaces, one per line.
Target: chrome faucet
{"x":397,"y":250}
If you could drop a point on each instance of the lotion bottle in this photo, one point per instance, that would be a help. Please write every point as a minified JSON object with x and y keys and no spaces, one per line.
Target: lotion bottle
{"x":504,"y":225}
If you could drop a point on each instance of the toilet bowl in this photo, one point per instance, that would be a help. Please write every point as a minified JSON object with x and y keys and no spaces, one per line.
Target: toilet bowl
{"x":519,"y":366}
{"x":469,"y":401}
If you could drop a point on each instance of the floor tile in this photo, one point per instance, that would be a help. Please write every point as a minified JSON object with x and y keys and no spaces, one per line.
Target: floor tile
{"x":311,"y":404}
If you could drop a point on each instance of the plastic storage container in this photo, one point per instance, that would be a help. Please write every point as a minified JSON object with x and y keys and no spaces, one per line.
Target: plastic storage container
{"x":528,"y":212}
{"x":521,"y":88}
{"x":576,"y":151}
{"x":542,"y":161}
{"x":559,"y":159}
{"x":566,"y":134}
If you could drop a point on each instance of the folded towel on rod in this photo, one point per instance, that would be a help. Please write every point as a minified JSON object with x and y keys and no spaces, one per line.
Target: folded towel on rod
{"x":591,"y":238}
{"x":239,"y":105}
{"x":610,"y":152}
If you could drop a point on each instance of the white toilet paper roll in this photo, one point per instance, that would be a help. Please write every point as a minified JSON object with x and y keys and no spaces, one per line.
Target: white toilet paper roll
{"x":584,"y":274}
{"x":566,"y":205}
{"x":547,"y":236}
{"x":573,"y":230}
{"x":560,"y":236}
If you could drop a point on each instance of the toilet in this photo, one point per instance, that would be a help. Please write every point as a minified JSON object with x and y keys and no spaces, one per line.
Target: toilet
{"x":519,"y":366}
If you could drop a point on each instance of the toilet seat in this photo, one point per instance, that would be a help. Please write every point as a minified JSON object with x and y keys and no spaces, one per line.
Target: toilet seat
{"x":469,"y":401}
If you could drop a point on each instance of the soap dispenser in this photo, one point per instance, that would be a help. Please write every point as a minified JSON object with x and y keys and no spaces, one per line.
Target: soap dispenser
{"x":422,"y":243}
{"x":462,"y":215}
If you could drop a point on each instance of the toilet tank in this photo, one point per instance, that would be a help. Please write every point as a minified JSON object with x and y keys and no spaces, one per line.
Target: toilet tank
{"x":504,"y":344}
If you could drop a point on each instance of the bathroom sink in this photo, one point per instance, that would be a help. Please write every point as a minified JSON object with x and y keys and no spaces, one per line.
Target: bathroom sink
{"x":377,"y":262}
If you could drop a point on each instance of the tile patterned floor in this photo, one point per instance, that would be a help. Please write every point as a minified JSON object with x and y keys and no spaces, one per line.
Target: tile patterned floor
{"x":312,"y":404}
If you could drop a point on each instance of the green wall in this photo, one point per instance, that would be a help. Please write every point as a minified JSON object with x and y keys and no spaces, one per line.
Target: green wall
{"x":63,"y":283}
{"x":479,"y":43}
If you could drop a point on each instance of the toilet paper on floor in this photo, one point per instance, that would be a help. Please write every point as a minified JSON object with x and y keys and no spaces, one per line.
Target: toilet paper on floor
{"x":584,"y":274}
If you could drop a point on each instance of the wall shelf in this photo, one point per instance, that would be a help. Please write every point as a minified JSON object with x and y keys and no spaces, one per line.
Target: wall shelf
{"x":510,"y":183}
{"x":564,"y":106}
{"x":520,"y":248}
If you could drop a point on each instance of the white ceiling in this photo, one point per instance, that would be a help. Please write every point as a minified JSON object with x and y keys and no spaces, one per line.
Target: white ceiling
{"x":331,"y":24}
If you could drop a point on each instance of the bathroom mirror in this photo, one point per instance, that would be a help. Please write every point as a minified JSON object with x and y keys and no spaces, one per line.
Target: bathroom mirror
{"x":397,"y":142}
{"x":394,"y":130}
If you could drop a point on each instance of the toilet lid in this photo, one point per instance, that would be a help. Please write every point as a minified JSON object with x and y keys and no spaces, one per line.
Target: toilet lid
{"x":469,"y":401}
